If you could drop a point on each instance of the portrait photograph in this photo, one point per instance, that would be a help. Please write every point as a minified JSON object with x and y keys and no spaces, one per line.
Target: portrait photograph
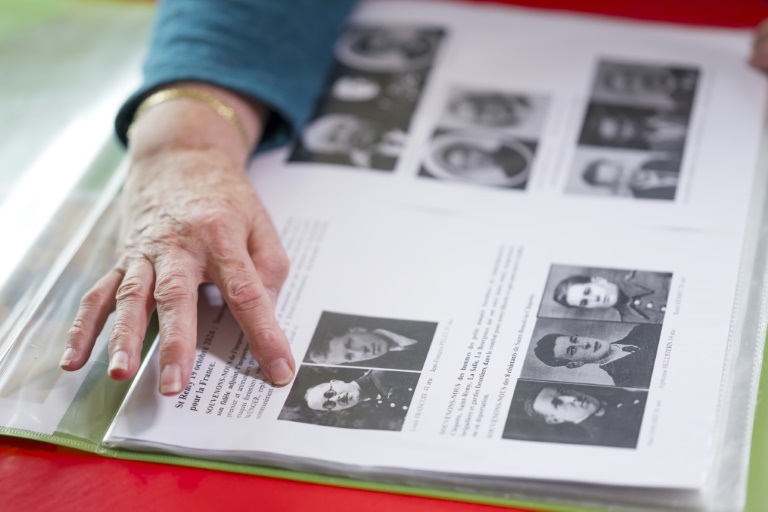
{"x":350,"y":398}
{"x":388,"y":48}
{"x":479,"y":158}
{"x":624,"y":173}
{"x":549,"y":412}
{"x":606,"y":294}
{"x":585,"y":352}
{"x":370,"y":342}
{"x":363,"y":117}
{"x":520,"y":115}
{"x":614,"y":126}
{"x":645,"y":85}
{"x":337,"y":137}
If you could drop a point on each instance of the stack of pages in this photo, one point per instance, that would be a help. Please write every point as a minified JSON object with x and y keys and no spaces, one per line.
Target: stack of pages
{"x":526,"y":262}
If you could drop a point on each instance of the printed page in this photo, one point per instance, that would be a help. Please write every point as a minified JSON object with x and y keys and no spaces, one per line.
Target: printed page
{"x":476,"y":346}
{"x":559,"y":118}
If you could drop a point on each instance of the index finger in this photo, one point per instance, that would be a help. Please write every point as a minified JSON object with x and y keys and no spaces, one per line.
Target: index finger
{"x":235,"y":275}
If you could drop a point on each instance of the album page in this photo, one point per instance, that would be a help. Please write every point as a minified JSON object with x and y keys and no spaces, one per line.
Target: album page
{"x":549,"y":117}
{"x":501,"y":229}
{"x":425,"y":343}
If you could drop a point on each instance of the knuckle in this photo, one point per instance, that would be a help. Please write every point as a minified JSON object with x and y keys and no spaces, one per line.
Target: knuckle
{"x":77,"y":331}
{"x":244,"y":294}
{"x":172,"y":347}
{"x":277,"y":267}
{"x":268,"y":341}
{"x":172,"y":288}
{"x":220,"y":242}
{"x":131,"y":289}
{"x":122,"y":331}
{"x":93,"y":298}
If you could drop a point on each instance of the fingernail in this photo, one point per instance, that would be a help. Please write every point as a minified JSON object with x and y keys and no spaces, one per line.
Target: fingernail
{"x":69,"y":354}
{"x":280,"y":372}
{"x":118,"y":361}
{"x":170,"y":379}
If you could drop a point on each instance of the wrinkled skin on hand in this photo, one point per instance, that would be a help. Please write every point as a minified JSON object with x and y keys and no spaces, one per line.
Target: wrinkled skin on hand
{"x":190,"y":216}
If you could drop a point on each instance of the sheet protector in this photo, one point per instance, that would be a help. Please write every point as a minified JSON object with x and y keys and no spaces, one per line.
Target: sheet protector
{"x":527,"y":264}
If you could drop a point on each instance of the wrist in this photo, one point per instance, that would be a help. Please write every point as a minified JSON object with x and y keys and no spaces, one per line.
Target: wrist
{"x":192,"y":116}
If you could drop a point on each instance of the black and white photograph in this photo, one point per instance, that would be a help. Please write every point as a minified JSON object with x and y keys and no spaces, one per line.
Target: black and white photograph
{"x":479,"y":158}
{"x":520,"y":115}
{"x":627,"y":127}
{"x":370,"y":342}
{"x":346,"y":139}
{"x":603,"y":353}
{"x":634,"y":131}
{"x":606,"y":294}
{"x":660,"y":87}
{"x":486,"y":137}
{"x":362,"y":120}
{"x":388,"y":49}
{"x":350,"y":398}
{"x":625,"y":173}
{"x":549,"y":412}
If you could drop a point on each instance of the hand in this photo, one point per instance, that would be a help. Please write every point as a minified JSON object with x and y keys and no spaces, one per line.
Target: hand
{"x":190,"y":216}
{"x":759,"y":57}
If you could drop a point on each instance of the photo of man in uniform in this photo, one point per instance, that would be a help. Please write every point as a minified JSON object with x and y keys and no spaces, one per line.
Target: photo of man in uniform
{"x":381,"y":388}
{"x":629,"y":361}
{"x":635,"y":296}
{"x":350,"y":398}
{"x":632,"y":83}
{"x":634,"y":128}
{"x":653,"y":179}
{"x":549,"y":412}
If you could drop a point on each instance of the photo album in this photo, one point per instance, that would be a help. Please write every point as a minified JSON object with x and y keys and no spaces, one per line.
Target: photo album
{"x":527,"y":265}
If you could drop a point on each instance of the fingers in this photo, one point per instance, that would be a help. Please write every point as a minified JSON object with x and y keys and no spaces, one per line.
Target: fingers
{"x":253,"y":307}
{"x":94,"y":309}
{"x":176,"y":300}
{"x":759,"y":58}
{"x":134,"y":307}
{"x":268,"y":256}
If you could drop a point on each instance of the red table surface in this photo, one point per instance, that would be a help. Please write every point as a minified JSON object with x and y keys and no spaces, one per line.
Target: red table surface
{"x":36,"y":476}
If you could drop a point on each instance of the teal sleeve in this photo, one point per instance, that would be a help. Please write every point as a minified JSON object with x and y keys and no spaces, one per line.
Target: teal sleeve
{"x":276,"y":51}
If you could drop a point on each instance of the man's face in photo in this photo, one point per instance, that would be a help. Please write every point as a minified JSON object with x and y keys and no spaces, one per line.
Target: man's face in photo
{"x":599,"y":293}
{"x":338,"y":133}
{"x":580,"y":350}
{"x":615,"y":128}
{"x":464,"y":157}
{"x":608,"y":173}
{"x":357,"y":344}
{"x":332,"y":396}
{"x":565,"y":405}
